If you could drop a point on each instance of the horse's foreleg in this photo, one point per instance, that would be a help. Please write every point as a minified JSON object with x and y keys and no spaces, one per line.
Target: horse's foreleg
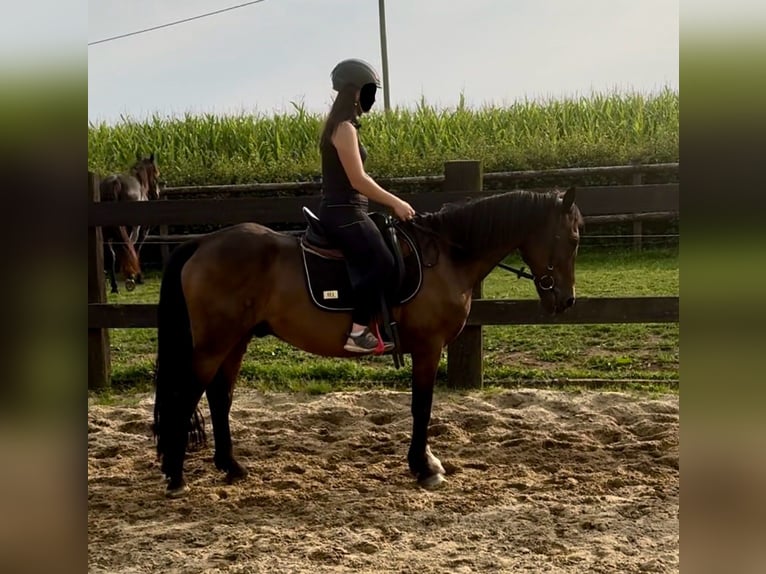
{"x":134,"y":234}
{"x":111,"y":267}
{"x":219,"y":396}
{"x":140,"y":232}
{"x":425,"y":466}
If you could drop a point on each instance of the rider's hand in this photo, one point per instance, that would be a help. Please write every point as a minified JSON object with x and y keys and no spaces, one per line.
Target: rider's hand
{"x":403,"y":210}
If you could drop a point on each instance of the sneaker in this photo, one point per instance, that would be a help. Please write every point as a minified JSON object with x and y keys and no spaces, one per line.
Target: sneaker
{"x":366,"y":342}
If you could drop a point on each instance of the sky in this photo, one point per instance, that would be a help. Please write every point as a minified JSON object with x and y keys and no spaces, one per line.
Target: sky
{"x":260,"y":58}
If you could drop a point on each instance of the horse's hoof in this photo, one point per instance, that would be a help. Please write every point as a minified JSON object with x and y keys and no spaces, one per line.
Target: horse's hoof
{"x":130,"y":284}
{"x":433,"y":481}
{"x":236,"y":473}
{"x":434,"y":463}
{"x":178,"y":492}
{"x":139,"y":279}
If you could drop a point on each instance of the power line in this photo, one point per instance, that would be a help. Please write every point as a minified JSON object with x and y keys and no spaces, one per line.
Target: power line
{"x":222,"y":10}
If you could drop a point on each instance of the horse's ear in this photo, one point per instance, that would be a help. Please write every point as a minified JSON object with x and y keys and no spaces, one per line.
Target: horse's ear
{"x":568,"y":200}
{"x":151,"y":157}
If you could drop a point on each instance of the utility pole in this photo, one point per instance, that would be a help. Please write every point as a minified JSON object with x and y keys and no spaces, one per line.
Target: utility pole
{"x":384,"y":54}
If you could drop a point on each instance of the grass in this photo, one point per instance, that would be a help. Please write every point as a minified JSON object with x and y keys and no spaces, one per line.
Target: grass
{"x":602,"y":129}
{"x":630,"y":356}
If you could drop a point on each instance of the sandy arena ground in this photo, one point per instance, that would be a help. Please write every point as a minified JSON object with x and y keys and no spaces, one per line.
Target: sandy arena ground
{"x":538,"y":481}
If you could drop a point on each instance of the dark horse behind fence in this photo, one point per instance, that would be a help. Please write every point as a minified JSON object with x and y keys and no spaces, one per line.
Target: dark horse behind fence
{"x":139,"y":183}
{"x":248,"y":281}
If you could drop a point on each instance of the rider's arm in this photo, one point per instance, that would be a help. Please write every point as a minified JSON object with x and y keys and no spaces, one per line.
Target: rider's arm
{"x":345,"y":141}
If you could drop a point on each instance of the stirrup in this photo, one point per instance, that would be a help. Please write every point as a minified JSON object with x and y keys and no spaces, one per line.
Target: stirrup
{"x":383,"y":346}
{"x":392,"y":331}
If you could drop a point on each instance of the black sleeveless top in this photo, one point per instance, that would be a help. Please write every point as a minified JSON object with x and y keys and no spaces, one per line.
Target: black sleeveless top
{"x":336,"y":188}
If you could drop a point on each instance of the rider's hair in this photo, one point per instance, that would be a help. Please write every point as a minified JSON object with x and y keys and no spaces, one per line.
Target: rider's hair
{"x":343,"y":109}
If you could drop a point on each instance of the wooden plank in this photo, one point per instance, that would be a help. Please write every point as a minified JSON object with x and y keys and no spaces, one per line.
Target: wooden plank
{"x":483,"y":312}
{"x":511,"y":176}
{"x":310,"y":187}
{"x":118,"y":316}
{"x":200,"y":211}
{"x":590,"y":220}
{"x":582,"y":171}
{"x":164,"y":249}
{"x":638,"y":225}
{"x":597,"y":311}
{"x":245,"y":188}
{"x":269,"y":210}
{"x":464,"y":359}
{"x":614,"y":199}
{"x":628,"y":217}
{"x":98,"y":338}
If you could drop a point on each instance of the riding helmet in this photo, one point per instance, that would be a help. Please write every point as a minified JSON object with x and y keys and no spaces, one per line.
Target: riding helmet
{"x":355,"y":72}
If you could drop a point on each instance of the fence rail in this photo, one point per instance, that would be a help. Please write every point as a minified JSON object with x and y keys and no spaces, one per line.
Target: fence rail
{"x":461,"y":180}
{"x":592,"y":201}
{"x":500,"y":176}
{"x":483,"y":312}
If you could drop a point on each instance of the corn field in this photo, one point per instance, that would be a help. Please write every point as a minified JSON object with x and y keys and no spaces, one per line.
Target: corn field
{"x":601,"y":129}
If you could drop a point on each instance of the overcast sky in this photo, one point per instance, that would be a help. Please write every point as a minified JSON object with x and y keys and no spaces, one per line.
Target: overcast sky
{"x":262,"y":57}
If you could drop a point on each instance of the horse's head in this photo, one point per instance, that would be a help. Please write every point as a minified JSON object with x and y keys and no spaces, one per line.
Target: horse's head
{"x":550,"y":254}
{"x":147,"y":172}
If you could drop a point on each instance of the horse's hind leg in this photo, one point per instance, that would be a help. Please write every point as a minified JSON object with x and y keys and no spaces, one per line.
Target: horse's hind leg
{"x":219,"y":396}
{"x":175,"y":425}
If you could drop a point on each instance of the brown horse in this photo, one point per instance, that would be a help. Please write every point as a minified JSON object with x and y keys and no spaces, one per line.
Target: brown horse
{"x":139,"y":183}
{"x":247,"y":280}
{"x":120,"y":257}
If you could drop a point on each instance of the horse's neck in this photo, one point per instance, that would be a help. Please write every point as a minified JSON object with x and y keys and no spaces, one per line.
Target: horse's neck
{"x":141,"y":184}
{"x":489,"y":230}
{"x":142,"y":179}
{"x":476,"y":270}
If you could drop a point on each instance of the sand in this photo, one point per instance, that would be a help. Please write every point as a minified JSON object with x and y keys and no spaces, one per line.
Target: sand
{"x":537,"y":481}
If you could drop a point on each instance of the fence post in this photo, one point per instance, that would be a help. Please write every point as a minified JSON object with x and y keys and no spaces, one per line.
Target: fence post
{"x":638,"y":226}
{"x":98,"y":339}
{"x":464,"y":355}
{"x":164,"y":247}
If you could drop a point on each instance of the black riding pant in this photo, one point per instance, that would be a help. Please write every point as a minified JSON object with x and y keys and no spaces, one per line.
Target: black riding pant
{"x":370,"y":262}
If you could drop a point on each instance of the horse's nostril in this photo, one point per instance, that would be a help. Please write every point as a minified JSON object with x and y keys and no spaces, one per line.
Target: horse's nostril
{"x":570,"y":301}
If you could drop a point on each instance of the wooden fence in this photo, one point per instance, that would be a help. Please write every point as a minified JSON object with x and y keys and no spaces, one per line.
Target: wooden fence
{"x":461,"y":180}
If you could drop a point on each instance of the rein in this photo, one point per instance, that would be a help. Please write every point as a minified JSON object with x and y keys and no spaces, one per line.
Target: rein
{"x":520,"y":273}
{"x":546,"y":282}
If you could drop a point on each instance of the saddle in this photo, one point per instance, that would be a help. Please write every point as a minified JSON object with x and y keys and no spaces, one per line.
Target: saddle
{"x":327,"y":274}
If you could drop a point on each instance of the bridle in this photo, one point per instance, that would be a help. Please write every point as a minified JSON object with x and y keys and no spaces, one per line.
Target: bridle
{"x":545,"y":282}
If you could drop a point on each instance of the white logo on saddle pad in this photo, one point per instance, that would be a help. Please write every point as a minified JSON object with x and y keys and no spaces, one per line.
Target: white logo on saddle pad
{"x":330,"y":294}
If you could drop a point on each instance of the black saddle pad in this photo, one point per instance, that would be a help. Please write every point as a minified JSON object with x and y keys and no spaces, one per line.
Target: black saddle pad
{"x":329,"y":285}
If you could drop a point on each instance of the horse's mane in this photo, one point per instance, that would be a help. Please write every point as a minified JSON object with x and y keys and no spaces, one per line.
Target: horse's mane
{"x":475,"y":226}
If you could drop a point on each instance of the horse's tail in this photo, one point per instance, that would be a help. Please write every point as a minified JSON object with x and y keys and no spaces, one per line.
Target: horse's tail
{"x":173,"y":376}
